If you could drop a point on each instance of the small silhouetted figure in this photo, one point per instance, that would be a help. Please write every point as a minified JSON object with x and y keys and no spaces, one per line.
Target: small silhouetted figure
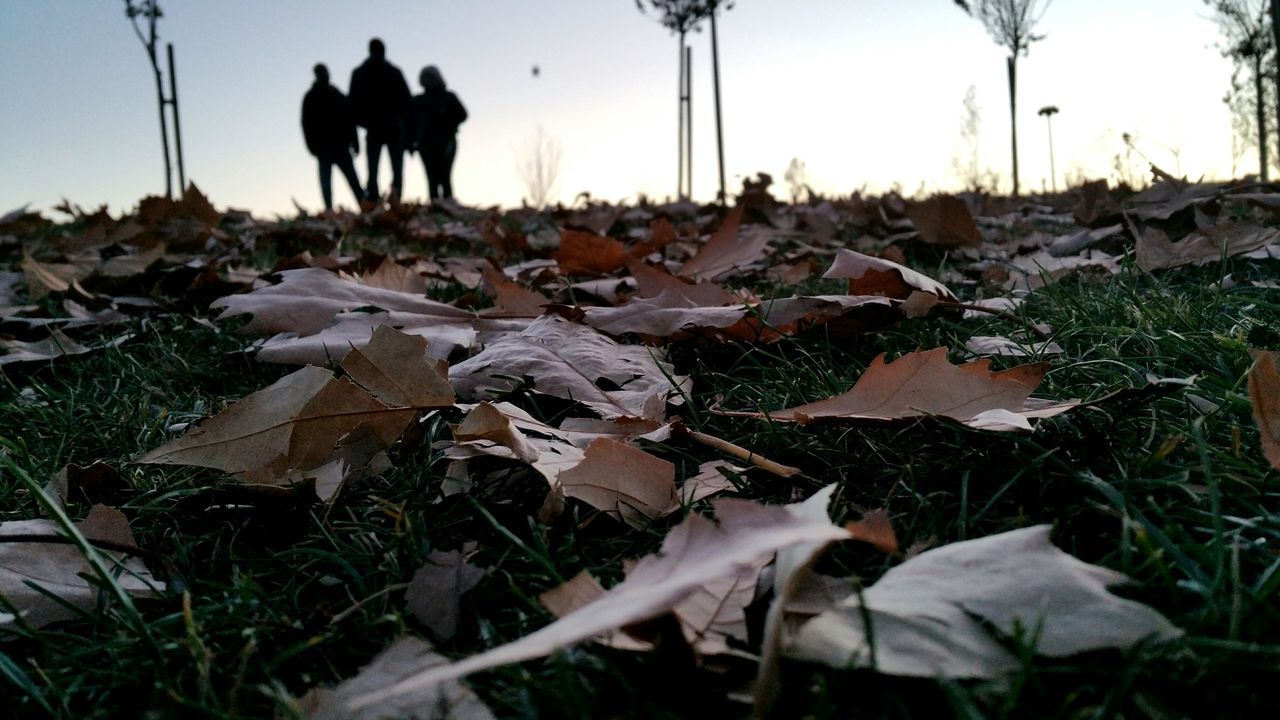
{"x":380,"y":101}
{"x":330,"y":132}
{"x":437,"y":113}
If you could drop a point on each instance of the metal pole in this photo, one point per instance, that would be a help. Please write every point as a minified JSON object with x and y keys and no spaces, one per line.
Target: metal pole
{"x":688,"y":121}
{"x":715,"y":74}
{"x":1053,"y":174}
{"x":1013,"y":116}
{"x":680,"y":125}
{"x":177,"y":126}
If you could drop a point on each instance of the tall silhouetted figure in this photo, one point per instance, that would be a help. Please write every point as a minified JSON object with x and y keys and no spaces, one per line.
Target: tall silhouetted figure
{"x":380,"y":101}
{"x":436,"y":115}
{"x":330,"y":132}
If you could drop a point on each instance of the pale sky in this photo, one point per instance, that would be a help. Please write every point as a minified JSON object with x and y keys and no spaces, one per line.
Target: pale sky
{"x":867,"y":93}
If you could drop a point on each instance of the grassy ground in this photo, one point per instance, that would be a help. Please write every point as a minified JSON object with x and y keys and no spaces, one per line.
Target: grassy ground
{"x":1167,"y":486}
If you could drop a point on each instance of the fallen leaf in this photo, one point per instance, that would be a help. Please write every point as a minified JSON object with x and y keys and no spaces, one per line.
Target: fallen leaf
{"x":875,"y":529}
{"x":869,"y":275}
{"x":577,"y":363}
{"x":991,"y":345}
{"x":395,"y":369}
{"x":695,"y":552}
{"x":1156,"y":252}
{"x":944,"y":220}
{"x":586,"y":253}
{"x":436,"y":589}
{"x":444,"y":701}
{"x":930,"y":615}
{"x":33,"y":574}
{"x":55,"y":346}
{"x":710,"y":480}
{"x":625,"y":482}
{"x":1264,"y":391}
{"x":725,"y":251}
{"x":294,"y":423}
{"x":924,"y":383}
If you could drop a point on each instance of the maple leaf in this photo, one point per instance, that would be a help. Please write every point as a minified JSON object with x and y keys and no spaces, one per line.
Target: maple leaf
{"x":1264,"y":391}
{"x":694,"y":553}
{"x":577,"y":363}
{"x":294,"y":423}
{"x":395,"y":369}
{"x":444,"y":701}
{"x":924,"y":384}
{"x":42,"y":581}
{"x":624,"y":481}
{"x":930,"y":615}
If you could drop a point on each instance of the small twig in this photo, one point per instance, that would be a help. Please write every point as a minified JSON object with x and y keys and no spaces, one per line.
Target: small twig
{"x":1004,"y":314}
{"x":741,"y":453}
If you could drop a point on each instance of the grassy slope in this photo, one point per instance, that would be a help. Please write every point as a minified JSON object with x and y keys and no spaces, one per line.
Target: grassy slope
{"x":1165,"y":488}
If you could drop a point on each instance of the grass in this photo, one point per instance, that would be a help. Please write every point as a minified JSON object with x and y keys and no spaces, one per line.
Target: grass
{"x":1165,"y":484}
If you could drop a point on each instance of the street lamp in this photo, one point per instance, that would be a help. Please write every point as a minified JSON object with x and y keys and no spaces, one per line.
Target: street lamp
{"x":1048,"y":111}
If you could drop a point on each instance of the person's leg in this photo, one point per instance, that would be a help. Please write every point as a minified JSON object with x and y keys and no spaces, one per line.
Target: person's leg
{"x":348,"y":168}
{"x":395,"y":146}
{"x":446,"y":169}
{"x":373,"y":149}
{"x":430,"y":171}
{"x":326,"y":182}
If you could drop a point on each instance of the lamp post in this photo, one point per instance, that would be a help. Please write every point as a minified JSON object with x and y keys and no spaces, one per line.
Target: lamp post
{"x":1048,"y":111}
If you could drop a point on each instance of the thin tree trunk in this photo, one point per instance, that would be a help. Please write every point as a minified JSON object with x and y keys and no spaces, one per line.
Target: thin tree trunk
{"x":680,"y":126}
{"x":715,"y":74}
{"x":1260,"y":105}
{"x":164,"y":130}
{"x":1275,"y":32}
{"x":177,"y":124}
{"x":1013,"y":116}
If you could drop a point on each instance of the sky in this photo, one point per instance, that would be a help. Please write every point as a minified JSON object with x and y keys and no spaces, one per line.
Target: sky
{"x":866,"y":93}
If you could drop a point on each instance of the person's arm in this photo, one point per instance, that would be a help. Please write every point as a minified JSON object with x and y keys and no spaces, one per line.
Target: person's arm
{"x":308,"y":124}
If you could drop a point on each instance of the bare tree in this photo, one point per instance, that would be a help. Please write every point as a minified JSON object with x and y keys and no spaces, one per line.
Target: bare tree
{"x":147,"y":12}
{"x":1249,"y":40}
{"x":540,"y":168}
{"x":1011,"y":24}
{"x":966,"y":164}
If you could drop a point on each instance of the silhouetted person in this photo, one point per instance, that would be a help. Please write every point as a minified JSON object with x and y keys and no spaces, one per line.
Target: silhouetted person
{"x":436,"y":115}
{"x":380,"y":101}
{"x":330,"y":132}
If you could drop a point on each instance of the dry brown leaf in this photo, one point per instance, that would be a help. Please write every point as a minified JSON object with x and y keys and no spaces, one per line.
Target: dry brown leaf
{"x":435,"y":592}
{"x":295,"y":423}
{"x":584,"y":253}
{"x":694,"y":553}
{"x":725,"y":251}
{"x":665,"y":316}
{"x":944,"y":220}
{"x":653,"y":281}
{"x":875,"y":528}
{"x":930,"y":616}
{"x":577,"y":363}
{"x":1264,"y":391}
{"x":623,"y":481}
{"x":395,"y":369}
{"x":926,"y":384}
{"x":44,"y":278}
{"x":512,"y":299}
{"x":57,"y":568}
{"x":710,"y":480}
{"x":875,"y":276}
{"x":54,"y":346}
{"x":1156,"y":252}
{"x":447,"y":701}
{"x":390,"y":275}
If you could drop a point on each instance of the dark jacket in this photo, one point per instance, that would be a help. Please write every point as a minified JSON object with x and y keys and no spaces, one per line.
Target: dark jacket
{"x":379,"y":95}
{"x":327,"y":124}
{"x":435,"y":119}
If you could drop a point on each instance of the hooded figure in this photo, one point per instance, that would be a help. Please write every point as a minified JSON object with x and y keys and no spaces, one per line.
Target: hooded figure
{"x":330,"y":132}
{"x":436,"y":115}
{"x":380,"y":102}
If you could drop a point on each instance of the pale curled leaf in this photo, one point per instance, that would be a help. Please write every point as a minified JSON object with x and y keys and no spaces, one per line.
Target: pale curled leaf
{"x":869,"y":275}
{"x":447,"y":701}
{"x":577,"y":363}
{"x":930,"y":615}
{"x":1155,"y":251}
{"x":695,"y":552}
{"x":59,"y":569}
